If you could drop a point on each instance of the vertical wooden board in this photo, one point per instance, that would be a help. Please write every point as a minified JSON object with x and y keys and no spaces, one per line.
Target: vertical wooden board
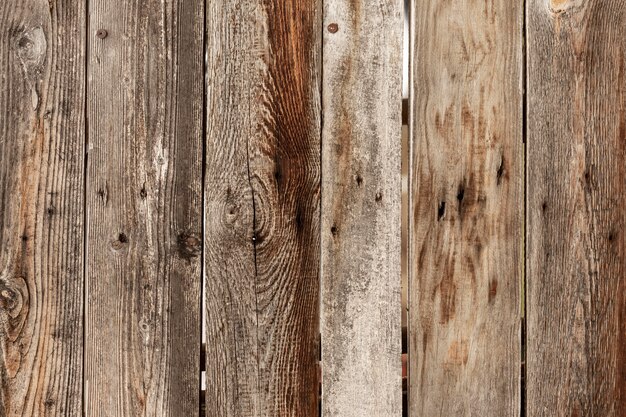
{"x":467,"y":205}
{"x":42,"y":99}
{"x":144,"y":199}
{"x":576,"y":197}
{"x":262,"y":207}
{"x":361,"y":199}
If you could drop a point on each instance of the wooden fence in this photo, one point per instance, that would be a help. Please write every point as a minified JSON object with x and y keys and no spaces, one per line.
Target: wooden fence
{"x":148,"y":144}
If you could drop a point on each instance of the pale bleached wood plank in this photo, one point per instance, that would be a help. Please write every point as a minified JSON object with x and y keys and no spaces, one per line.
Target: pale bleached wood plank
{"x":361,"y":195}
{"x":576,"y":208}
{"x":42,"y":139}
{"x":467,"y":208}
{"x":144,"y":199}
{"x":262,"y":207}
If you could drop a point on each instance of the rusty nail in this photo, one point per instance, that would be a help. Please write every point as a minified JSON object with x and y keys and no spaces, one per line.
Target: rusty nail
{"x":333,"y":28}
{"x":101,"y":33}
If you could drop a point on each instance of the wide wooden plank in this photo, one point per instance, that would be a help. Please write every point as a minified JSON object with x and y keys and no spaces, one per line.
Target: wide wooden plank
{"x":144,"y":201}
{"x":361,"y":195}
{"x":262,"y":207}
{"x":576,"y":208}
{"x":42,"y":139}
{"x":466,"y":215}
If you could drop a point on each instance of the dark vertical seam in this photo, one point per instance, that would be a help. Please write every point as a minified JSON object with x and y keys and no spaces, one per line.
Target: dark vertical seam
{"x":408,"y":8}
{"x":523,"y":341}
{"x":405,"y":150}
{"x":202,"y":399}
{"x":320,"y":68}
{"x":85,"y":211}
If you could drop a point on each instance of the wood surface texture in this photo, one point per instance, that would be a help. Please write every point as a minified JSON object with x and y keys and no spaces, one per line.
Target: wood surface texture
{"x":144,"y":202}
{"x":262,"y":207}
{"x":42,"y":139}
{"x":148,"y":145}
{"x":466,"y":214}
{"x":576,"y":208}
{"x":361,"y":195}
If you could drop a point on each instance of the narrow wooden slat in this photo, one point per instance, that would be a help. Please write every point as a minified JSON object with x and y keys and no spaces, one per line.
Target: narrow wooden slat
{"x":262,"y":207}
{"x":144,"y":200}
{"x":466,"y":215}
{"x":361,"y":194}
{"x":576,"y":208}
{"x":41,"y":206}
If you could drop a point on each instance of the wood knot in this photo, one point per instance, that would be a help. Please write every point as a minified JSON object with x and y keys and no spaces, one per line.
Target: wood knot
{"x":120,"y":242}
{"x":144,"y":326}
{"x":231,"y":213}
{"x":189,"y":246}
{"x":558,"y":7}
{"x":31,"y":46}
{"x":8,"y":298}
{"x":143,"y":193}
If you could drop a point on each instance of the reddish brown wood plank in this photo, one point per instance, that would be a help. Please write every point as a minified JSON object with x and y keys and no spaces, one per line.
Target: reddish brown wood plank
{"x":576,"y":208}
{"x":262,"y":207}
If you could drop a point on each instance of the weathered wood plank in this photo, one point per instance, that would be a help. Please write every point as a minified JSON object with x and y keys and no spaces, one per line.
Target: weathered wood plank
{"x":576,"y":208}
{"x":42,"y":98}
{"x":466,"y":216}
{"x":262,"y":207}
{"x":361,"y":195}
{"x":144,"y":199}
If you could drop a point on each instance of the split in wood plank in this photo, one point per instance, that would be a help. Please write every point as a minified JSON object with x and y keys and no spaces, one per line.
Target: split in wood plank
{"x":262,"y":207}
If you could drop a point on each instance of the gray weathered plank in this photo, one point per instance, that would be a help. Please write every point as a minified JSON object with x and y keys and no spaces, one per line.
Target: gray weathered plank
{"x":262,"y":207}
{"x":576,"y":208}
{"x":361,"y":195}
{"x":144,"y":199}
{"x":41,"y":207}
{"x":466,"y":215}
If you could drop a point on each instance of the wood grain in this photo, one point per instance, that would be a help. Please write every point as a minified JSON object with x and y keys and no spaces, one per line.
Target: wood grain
{"x":361,"y":199}
{"x":41,"y":207}
{"x":144,"y":201}
{"x":262,"y":207}
{"x":466,"y":216}
{"x":576,"y":208}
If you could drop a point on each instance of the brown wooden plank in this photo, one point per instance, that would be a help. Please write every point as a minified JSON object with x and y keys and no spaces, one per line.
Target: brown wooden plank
{"x":576,"y":208}
{"x":262,"y":207}
{"x":361,"y":195}
{"x":144,"y":199}
{"x":42,"y":98}
{"x":466,"y":216}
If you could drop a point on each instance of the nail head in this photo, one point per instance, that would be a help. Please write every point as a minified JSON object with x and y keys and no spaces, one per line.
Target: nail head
{"x":333,"y":28}
{"x":101,"y":33}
